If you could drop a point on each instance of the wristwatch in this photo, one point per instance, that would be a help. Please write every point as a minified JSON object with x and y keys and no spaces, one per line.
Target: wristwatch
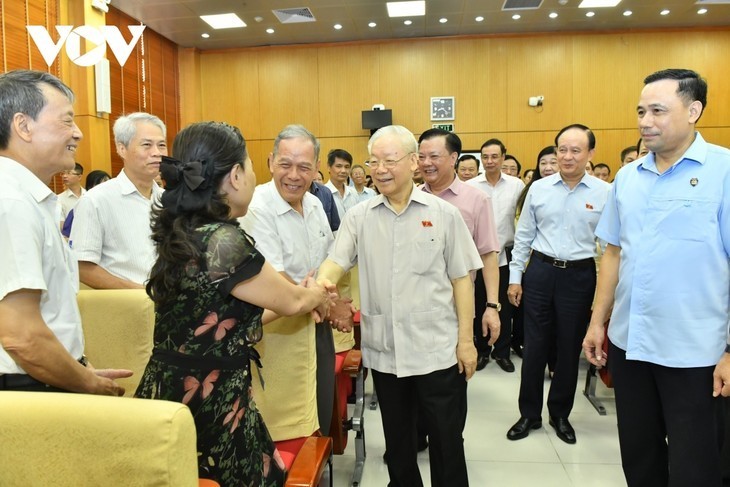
{"x":496,"y":306}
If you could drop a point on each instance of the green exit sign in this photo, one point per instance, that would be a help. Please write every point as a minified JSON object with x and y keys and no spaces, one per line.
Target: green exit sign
{"x":449,"y":127}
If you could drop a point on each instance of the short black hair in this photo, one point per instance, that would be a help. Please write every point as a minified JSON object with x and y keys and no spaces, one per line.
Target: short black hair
{"x":589,"y":133}
{"x":452,"y":141}
{"x":338,"y":154}
{"x":494,"y":142}
{"x":519,"y":166}
{"x":600,"y":165}
{"x":628,"y":150}
{"x":79,"y":168}
{"x":692,"y":87}
{"x":463,"y":158}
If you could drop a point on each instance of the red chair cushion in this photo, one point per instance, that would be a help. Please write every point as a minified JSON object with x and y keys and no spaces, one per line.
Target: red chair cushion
{"x":289,"y":449}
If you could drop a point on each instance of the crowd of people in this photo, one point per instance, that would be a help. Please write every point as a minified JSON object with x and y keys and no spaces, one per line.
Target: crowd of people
{"x":461,"y":259}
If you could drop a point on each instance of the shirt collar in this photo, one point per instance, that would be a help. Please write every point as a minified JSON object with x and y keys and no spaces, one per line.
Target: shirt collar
{"x":586,"y":180}
{"x":26,"y":179}
{"x":696,"y":152}
{"x":281,"y":206}
{"x":454,"y":187}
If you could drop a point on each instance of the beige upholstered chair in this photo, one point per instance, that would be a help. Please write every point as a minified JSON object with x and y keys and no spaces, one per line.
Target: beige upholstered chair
{"x":118,"y":328}
{"x":64,"y":439}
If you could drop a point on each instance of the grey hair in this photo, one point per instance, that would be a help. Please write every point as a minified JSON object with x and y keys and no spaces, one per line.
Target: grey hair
{"x":21,"y":92}
{"x":296,"y":132}
{"x":125,"y":128}
{"x":407,"y":138}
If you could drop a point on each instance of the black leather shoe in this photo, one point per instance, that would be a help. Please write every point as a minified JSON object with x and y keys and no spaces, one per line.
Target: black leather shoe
{"x":563,"y":429}
{"x":505,"y":364}
{"x":522,"y":428}
{"x":482,"y":361}
{"x":517,"y":349}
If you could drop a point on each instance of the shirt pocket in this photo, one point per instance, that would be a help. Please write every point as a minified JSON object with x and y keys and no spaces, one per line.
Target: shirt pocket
{"x":374,"y":334}
{"x":426,"y":331}
{"x":686,"y":219}
{"x":425,"y":255}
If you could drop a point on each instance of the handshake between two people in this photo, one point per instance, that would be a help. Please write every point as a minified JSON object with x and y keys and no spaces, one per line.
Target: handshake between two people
{"x":334,"y":309}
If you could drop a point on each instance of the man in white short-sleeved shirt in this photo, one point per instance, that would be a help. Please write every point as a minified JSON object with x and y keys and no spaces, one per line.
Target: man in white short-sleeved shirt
{"x":415,"y":254}
{"x":111,"y":230}
{"x":41,"y":340}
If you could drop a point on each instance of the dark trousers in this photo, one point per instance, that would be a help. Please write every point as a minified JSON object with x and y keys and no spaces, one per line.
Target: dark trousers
{"x":440,"y":398}
{"x":670,"y":427}
{"x":325,"y":376}
{"x":557,"y":305}
{"x":501,"y":346}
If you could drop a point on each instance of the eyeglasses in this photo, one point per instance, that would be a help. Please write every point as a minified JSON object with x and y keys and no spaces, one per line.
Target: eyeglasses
{"x":71,"y":173}
{"x":387,"y":164}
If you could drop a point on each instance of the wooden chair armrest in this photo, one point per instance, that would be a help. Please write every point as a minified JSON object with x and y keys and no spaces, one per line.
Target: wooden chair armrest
{"x":353,"y":362}
{"x":308,"y":466}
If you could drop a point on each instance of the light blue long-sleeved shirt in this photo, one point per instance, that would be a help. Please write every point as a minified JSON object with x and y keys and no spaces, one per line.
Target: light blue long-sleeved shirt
{"x":558,"y":221}
{"x":672,"y":300}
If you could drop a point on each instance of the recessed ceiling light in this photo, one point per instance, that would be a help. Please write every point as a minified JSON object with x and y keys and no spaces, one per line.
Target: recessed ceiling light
{"x":627,"y":13}
{"x":590,"y":14}
{"x":270,"y":30}
{"x":372,"y":24}
{"x":338,"y":26}
{"x":664,"y":12}
{"x":443,"y":20}
{"x":204,"y":35}
{"x":479,"y":19}
{"x":258,"y":18}
{"x":407,"y":22}
{"x":553,"y":15}
{"x":223,"y":21}
{"x":406,"y":9}
{"x":598,"y":3}
{"x":516,"y":17}
{"x":702,"y":11}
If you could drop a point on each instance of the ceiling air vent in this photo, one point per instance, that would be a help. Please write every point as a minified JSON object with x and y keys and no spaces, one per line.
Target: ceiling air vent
{"x":294,"y":15}
{"x":521,"y":4}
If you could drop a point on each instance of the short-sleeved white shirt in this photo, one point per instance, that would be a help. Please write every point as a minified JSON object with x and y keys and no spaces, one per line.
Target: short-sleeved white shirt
{"x":504,"y":196}
{"x":343,"y":203}
{"x":112,"y":229}
{"x":290,"y":242}
{"x":68,"y":201}
{"x":33,"y":255}
{"x":406,"y":263}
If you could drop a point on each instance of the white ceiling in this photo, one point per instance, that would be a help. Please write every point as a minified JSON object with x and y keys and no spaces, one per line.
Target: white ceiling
{"x":179,"y":20}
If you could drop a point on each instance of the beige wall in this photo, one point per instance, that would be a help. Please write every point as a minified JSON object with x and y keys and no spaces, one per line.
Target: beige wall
{"x":594,"y":79}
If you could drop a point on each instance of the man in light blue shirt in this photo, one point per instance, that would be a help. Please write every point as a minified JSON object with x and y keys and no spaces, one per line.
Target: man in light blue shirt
{"x":666,"y":274}
{"x":555,"y":234}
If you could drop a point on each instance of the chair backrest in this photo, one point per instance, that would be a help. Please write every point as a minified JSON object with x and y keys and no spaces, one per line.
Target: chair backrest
{"x":288,"y":403}
{"x":65,"y":439}
{"x":118,"y":328}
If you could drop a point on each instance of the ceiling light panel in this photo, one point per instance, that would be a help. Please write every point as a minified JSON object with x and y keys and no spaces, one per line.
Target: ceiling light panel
{"x":223,"y":21}
{"x":406,"y":9}
{"x":598,"y":3}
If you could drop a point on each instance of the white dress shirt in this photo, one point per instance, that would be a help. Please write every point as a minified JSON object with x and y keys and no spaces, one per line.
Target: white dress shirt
{"x":290,"y":242}
{"x":33,"y":255}
{"x":504,"y":196}
{"x":343,"y":203}
{"x":67,"y":201}
{"x":112,"y":229}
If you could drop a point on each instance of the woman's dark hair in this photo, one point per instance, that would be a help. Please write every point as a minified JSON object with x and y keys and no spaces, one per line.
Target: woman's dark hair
{"x":203,"y":154}
{"x":94,"y":178}
{"x":535,"y":175}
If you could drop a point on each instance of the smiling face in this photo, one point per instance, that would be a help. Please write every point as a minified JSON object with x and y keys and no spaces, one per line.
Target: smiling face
{"x":548,"y":165}
{"x":54,"y":134}
{"x":394,"y":182}
{"x":573,"y":154}
{"x":293,"y":169}
{"x":358,"y":176}
{"x":436,"y":163}
{"x":666,"y":120}
{"x":468,"y":169}
{"x":143,"y":153}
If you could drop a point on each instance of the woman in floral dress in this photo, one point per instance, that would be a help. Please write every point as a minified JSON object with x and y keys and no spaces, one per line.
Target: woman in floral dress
{"x":210,"y":287}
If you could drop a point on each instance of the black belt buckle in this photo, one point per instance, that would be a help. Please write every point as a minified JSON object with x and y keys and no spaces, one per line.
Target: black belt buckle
{"x":560,"y":263}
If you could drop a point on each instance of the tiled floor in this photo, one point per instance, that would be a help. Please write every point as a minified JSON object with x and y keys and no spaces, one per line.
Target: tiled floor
{"x":492,"y":460}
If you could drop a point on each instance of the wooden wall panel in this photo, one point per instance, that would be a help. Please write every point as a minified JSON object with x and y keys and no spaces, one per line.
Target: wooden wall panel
{"x":288,"y":89}
{"x":594,"y":79}
{"x":349,"y":73}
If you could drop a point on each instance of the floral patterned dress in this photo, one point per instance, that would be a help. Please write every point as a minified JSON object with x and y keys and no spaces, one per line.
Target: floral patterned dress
{"x":203,"y":348}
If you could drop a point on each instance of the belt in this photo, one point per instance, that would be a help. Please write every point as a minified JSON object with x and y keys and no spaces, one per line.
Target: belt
{"x":208,"y":362}
{"x":19,"y":381}
{"x":564,"y":264}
